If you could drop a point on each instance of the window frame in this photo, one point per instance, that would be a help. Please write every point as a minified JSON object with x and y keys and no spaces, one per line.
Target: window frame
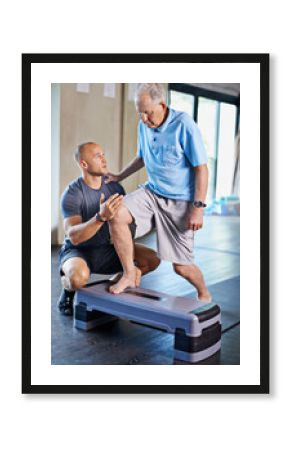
{"x":198,"y":91}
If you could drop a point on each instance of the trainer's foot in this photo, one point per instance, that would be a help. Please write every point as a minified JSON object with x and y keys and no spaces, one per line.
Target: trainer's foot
{"x":130,"y":280}
{"x":65,"y":302}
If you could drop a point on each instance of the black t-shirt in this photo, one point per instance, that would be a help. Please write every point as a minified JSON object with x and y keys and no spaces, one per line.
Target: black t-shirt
{"x":79,"y":199}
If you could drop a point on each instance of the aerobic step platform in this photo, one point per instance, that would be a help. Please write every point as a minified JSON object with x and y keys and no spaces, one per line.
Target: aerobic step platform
{"x":196,"y":325}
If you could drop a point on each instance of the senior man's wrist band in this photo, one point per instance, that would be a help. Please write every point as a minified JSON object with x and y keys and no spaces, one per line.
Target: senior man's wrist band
{"x":199,"y":204}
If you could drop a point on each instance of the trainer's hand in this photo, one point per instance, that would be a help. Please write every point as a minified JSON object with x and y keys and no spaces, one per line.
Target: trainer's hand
{"x":195,"y":219}
{"x":112,"y":177}
{"x":108,"y":208}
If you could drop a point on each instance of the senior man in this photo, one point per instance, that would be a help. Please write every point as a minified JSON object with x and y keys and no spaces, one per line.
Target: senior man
{"x":171,"y":148}
{"x":88,"y":204}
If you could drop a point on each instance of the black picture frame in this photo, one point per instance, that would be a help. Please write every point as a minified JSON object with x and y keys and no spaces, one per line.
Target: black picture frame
{"x":263,"y":61}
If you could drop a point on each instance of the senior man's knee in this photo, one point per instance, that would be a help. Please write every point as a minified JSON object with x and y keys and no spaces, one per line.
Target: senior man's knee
{"x":180,"y":269}
{"x":122,"y":216}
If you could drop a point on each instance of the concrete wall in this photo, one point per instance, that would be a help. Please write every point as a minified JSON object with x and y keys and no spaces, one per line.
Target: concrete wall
{"x":87,"y":116}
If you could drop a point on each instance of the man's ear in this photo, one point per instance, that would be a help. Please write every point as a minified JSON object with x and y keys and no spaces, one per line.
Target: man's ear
{"x":83,"y":164}
{"x":164,"y":106}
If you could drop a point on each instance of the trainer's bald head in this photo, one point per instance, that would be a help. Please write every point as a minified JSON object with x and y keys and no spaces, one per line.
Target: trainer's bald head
{"x":83,"y":149}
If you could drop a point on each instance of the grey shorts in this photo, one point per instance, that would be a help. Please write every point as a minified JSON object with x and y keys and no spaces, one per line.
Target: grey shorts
{"x":169,"y":217}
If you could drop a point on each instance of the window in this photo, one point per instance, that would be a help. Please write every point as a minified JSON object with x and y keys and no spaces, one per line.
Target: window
{"x":182,"y":102}
{"x":208,"y":116}
{"x":217,"y":116}
{"x":226,"y":150}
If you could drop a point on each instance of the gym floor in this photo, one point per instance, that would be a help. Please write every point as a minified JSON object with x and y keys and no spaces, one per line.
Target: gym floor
{"x":217,"y":253}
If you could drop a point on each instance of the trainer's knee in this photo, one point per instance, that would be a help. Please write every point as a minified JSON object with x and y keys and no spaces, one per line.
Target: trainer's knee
{"x":147,"y":261}
{"x":148,"y":265}
{"x":78,"y":278}
{"x":153,"y":262}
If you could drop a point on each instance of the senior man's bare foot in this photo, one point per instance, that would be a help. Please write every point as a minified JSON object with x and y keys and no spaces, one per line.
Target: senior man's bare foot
{"x":204,"y":296}
{"x":130,"y":280}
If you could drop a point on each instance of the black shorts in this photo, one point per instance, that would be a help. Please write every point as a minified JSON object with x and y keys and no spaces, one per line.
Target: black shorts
{"x":103,"y":260}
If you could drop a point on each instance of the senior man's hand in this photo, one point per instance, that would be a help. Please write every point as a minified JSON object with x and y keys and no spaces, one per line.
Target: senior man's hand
{"x":108,"y":208}
{"x":195,"y":219}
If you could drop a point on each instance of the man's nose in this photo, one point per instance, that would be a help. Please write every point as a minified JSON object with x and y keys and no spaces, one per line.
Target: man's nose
{"x":144,"y":117}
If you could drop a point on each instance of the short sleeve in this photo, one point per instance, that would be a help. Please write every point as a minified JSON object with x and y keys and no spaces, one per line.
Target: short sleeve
{"x":192,"y":143}
{"x":71,"y":202}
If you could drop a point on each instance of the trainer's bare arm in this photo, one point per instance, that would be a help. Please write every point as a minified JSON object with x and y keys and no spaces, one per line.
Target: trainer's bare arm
{"x":78,"y":231}
{"x":133,"y":166}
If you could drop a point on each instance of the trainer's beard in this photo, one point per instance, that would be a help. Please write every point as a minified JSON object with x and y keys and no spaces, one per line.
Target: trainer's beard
{"x":98,"y":174}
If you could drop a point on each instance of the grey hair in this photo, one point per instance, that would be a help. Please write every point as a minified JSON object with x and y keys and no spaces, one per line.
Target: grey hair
{"x":79,"y":149}
{"x":155,"y":91}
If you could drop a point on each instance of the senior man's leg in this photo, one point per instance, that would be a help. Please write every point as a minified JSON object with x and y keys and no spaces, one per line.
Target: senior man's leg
{"x":123,"y":242}
{"x":194,"y":275}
